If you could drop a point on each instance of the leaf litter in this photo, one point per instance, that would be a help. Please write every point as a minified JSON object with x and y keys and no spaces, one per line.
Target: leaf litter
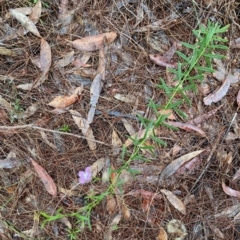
{"x":118,"y":82}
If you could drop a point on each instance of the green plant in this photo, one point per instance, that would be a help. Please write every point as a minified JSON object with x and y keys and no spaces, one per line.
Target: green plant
{"x":65,"y":128}
{"x":16,"y":105}
{"x":187,"y":75}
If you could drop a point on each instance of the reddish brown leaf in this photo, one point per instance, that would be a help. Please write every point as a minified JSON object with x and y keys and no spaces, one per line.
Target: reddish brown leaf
{"x":218,"y":94}
{"x":238,"y":98}
{"x":229,"y":191}
{"x":162,"y":235}
{"x":93,"y":43}
{"x":187,"y":127}
{"x":45,"y":178}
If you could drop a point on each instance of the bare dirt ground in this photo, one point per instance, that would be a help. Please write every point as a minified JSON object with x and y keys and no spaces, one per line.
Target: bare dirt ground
{"x":103,"y":83}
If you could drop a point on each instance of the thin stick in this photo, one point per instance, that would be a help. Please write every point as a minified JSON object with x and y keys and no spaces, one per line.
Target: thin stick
{"x":48,"y":130}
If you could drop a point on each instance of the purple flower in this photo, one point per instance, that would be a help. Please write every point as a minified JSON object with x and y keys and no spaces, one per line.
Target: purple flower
{"x":85,"y":176}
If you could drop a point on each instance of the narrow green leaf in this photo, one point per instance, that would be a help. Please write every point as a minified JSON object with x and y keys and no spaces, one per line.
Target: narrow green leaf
{"x":183,"y":56}
{"x":180,"y":113}
{"x":218,"y":47}
{"x":204,"y":69}
{"x":218,"y":56}
{"x":187,"y":45}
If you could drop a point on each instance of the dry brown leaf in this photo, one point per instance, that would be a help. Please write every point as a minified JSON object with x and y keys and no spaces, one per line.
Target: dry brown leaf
{"x":98,"y":166}
{"x":45,"y":178}
{"x":45,"y":56}
{"x":84,"y":126}
{"x":45,"y":139}
{"x":128,"y":127}
{"x":45,"y":62}
{"x":67,"y":59}
{"x":125,"y":98}
{"x":82,"y":60}
{"x":162,"y":234}
{"x":218,"y":94}
{"x":176,"y":164}
{"x":65,"y":101}
{"x":25,"y":21}
{"x":229,"y":211}
{"x":36,"y":12}
{"x":23,"y":10}
{"x":116,"y":143}
{"x":176,"y":149}
{"x":217,"y":232}
{"x":187,"y":127}
{"x":95,"y":90}
{"x":102,"y":63}
{"x":92,"y":43}
{"x":174,"y":200}
{"x":111,"y":204}
{"x":229,"y":191}
{"x":238,"y":99}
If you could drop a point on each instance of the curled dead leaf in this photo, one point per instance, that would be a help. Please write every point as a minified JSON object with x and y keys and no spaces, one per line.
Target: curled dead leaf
{"x":218,"y":94}
{"x":229,"y":191}
{"x":65,"y":101}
